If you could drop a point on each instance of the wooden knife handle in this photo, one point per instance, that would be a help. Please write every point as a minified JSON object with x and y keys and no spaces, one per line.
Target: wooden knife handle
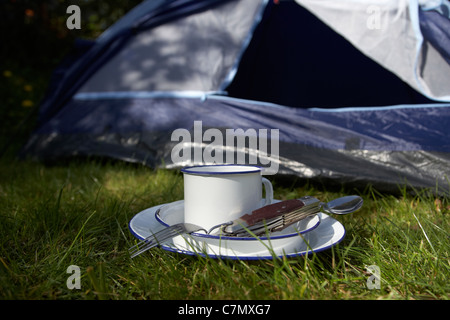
{"x":272,"y":210}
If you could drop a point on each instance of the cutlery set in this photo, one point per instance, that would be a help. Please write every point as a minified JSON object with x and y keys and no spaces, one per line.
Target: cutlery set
{"x":265,"y":220}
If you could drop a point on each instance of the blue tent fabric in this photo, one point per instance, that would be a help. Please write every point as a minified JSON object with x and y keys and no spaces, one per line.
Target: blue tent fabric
{"x":436,"y":29}
{"x":336,"y":124}
{"x":147,"y":15}
{"x":379,"y":146}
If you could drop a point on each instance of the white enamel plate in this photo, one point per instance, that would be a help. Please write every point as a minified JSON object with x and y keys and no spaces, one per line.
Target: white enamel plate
{"x":320,"y":236}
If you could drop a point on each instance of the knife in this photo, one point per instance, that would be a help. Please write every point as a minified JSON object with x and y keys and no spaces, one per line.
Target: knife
{"x":273,"y":217}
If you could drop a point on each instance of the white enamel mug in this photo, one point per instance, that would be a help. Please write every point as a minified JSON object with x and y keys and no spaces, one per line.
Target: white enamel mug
{"x":216,"y":194}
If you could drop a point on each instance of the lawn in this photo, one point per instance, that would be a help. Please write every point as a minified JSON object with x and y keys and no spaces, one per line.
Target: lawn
{"x":78,"y":214}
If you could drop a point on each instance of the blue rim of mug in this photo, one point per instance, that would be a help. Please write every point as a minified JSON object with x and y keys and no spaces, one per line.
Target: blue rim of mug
{"x":195,"y":169}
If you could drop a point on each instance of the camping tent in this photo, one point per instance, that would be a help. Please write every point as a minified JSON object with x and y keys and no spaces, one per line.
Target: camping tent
{"x":352,"y":91}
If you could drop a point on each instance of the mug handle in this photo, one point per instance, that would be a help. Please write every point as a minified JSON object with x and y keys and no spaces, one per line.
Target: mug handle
{"x":269,"y":191}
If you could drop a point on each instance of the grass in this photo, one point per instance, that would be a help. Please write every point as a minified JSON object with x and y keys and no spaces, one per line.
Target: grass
{"x":78,"y":214}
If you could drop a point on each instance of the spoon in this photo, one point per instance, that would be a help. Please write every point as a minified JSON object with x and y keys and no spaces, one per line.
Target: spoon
{"x":343,"y":205}
{"x":273,"y":217}
{"x":277,"y":216}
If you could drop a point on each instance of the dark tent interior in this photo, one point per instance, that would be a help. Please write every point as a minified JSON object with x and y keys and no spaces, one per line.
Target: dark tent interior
{"x":295,"y":59}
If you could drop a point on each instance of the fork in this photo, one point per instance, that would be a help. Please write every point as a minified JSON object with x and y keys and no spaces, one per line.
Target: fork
{"x":275,"y":216}
{"x":161,"y":236}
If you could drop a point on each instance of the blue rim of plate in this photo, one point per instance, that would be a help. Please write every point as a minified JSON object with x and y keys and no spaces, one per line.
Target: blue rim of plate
{"x":230,"y":257}
{"x":224,"y":237}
